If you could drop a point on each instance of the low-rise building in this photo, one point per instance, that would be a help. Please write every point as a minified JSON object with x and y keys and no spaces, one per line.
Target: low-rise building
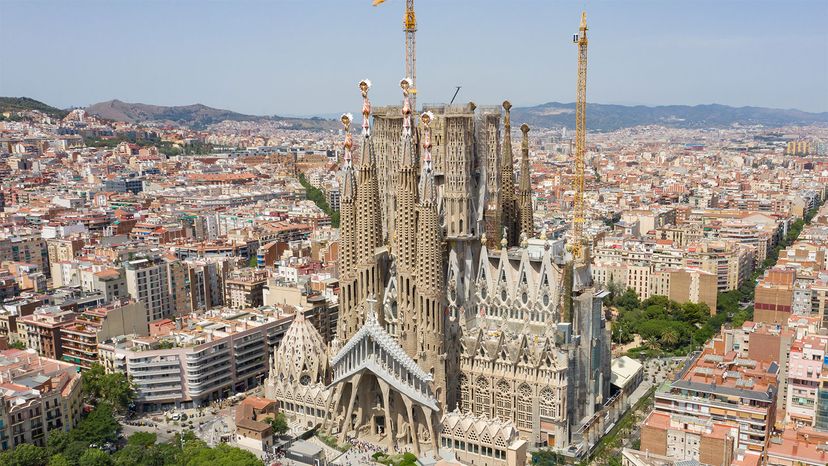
{"x":79,"y":339}
{"x":717,"y":397}
{"x":39,"y":396}
{"x":40,"y":330}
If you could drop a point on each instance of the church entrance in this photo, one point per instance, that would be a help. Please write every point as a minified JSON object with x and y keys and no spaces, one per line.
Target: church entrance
{"x":380,"y":425}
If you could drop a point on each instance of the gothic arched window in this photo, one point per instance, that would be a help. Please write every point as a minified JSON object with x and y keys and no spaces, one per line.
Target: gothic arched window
{"x":546,"y":400}
{"x":524,"y":407}
{"x":465,"y":395}
{"x":504,"y":401}
{"x":482,"y":397}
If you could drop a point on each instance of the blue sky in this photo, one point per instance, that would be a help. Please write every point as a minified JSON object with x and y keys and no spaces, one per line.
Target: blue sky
{"x":301,"y":57}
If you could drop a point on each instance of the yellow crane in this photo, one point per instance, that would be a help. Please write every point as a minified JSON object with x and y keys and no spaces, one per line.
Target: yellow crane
{"x":578,"y":210}
{"x":410,"y":28}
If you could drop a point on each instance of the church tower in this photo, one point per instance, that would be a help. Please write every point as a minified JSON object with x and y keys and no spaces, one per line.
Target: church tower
{"x":347,"y":250}
{"x":507,"y":180}
{"x":430,"y":289}
{"x":490,"y":147}
{"x":406,"y":233}
{"x":527,"y":223}
{"x":362,"y":230}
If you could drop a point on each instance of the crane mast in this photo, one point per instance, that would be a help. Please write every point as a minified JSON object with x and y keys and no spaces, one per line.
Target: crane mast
{"x":578,"y":210}
{"x":410,"y":28}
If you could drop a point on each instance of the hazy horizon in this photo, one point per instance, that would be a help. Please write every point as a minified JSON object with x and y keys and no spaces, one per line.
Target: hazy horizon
{"x":297,"y":58}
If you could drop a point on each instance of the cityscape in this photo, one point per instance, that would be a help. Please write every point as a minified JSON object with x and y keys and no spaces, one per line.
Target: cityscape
{"x":400,"y":282}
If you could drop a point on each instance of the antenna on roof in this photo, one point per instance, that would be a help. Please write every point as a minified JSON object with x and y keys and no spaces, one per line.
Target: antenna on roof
{"x":455,"y":94}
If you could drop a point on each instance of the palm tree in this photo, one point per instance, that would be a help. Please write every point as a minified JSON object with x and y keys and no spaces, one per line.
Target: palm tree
{"x":669,"y":337}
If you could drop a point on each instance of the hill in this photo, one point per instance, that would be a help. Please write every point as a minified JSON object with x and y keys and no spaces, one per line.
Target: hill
{"x":601,"y":117}
{"x":196,"y":116}
{"x":19,"y":104}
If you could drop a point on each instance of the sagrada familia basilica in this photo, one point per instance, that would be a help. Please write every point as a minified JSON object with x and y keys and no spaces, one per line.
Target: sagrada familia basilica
{"x":460,"y":328}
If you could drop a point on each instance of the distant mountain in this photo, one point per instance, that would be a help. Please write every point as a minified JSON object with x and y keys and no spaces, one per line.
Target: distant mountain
{"x":601,"y":117}
{"x":18,"y":104}
{"x":196,"y":116}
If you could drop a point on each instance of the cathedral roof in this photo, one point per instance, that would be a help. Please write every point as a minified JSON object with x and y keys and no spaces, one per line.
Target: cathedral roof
{"x":373,"y":329}
{"x":474,"y":427}
{"x":379,"y":341}
{"x":301,"y":357}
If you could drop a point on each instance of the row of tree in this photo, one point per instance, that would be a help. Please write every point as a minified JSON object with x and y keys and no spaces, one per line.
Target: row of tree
{"x":318,"y":197}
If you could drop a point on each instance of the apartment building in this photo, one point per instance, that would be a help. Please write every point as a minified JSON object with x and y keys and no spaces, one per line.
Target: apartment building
{"x":244,"y":288}
{"x":763,"y":342}
{"x":63,"y":249}
{"x":147,"y":280}
{"x":200,"y":359}
{"x":40,"y":395}
{"x":688,"y":438}
{"x":29,"y":248}
{"x":206,"y":279}
{"x":804,"y":375}
{"x":717,"y":396}
{"x":798,"y":447}
{"x":40,"y":330}
{"x":79,"y":340}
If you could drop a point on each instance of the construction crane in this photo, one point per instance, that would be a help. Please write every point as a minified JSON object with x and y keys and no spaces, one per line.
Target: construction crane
{"x":578,"y":210}
{"x":410,"y":28}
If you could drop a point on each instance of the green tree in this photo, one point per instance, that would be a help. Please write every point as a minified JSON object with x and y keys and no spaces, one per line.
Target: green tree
{"x":99,"y":427}
{"x":279,"y":423}
{"x":318,"y":197}
{"x":57,"y":442}
{"x":669,"y":338}
{"x":95,"y":457}
{"x":18,"y":345}
{"x":628,"y":300}
{"x":25,"y":454}
{"x":114,"y":388}
{"x":59,"y":460}
{"x":547,"y":457}
{"x":142,"y":439}
{"x":197,"y":453}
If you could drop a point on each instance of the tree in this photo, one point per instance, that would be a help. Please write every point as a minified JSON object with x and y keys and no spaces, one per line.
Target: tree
{"x":59,"y":460}
{"x":669,"y":338}
{"x":628,"y":300}
{"x":318,"y":197}
{"x":142,"y":439}
{"x":197,"y":453}
{"x":114,"y":388}
{"x":18,"y":345}
{"x":25,"y":454}
{"x":57,"y":442}
{"x":95,"y":457}
{"x":547,"y":457}
{"x":99,"y":427}
{"x":279,"y":423}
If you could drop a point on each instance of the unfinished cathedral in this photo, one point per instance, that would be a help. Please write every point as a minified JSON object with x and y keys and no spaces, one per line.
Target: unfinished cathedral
{"x":459,"y":327}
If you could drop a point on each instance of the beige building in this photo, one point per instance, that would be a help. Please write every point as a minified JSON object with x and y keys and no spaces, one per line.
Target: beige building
{"x":40,"y":396}
{"x":244,"y":288}
{"x":29,"y":248}
{"x":63,"y":249}
{"x":40,"y":330}
{"x":79,"y":340}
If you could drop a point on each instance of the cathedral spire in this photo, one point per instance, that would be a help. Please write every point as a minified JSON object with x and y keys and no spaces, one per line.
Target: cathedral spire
{"x":430,"y":283}
{"x":347,"y":232}
{"x":507,"y":178}
{"x":527,"y":223}
{"x":406,"y":231}
{"x":368,"y":211}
